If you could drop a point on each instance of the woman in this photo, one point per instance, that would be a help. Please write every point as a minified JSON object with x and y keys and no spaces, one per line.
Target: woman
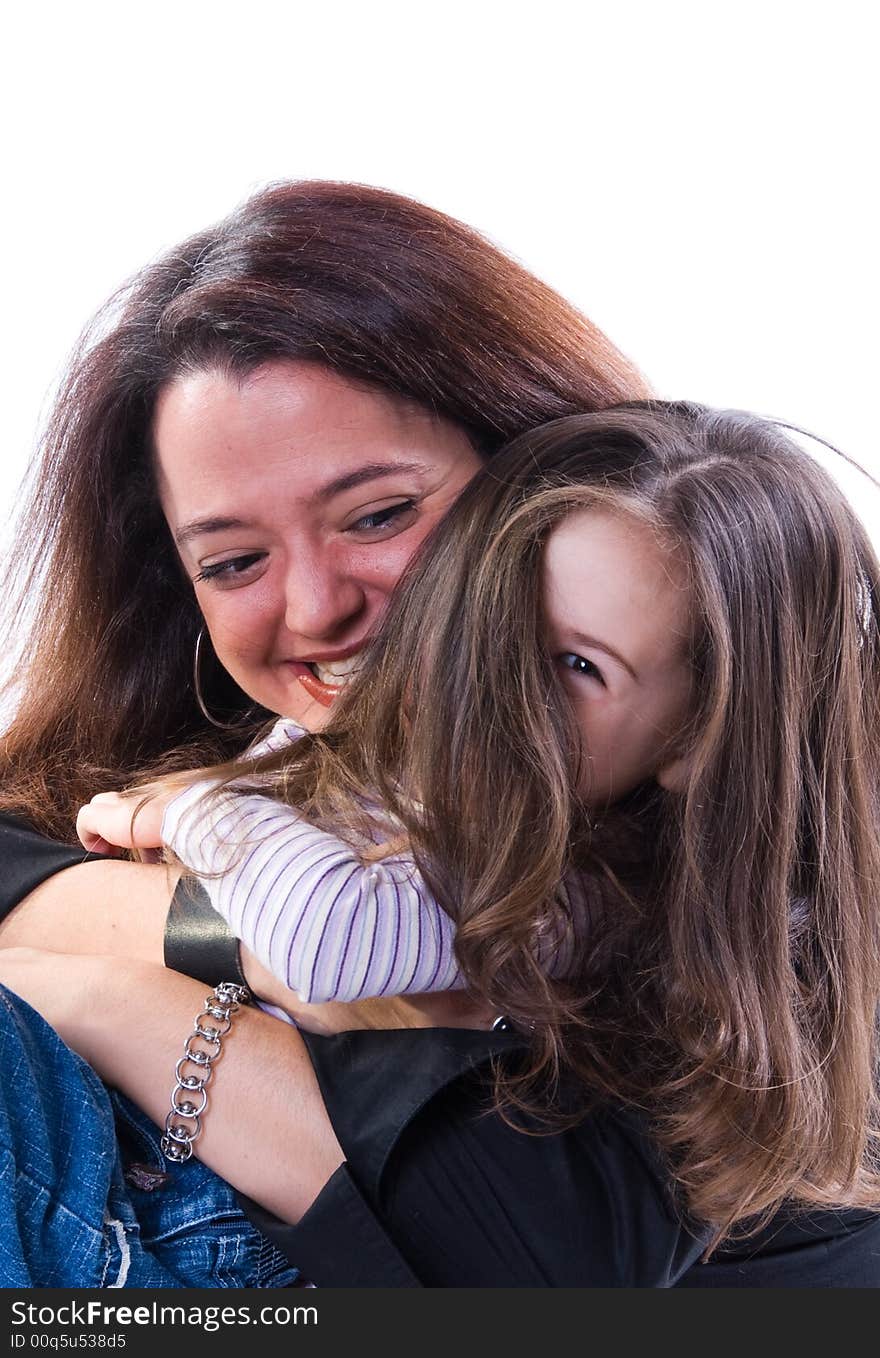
{"x":299,"y":393}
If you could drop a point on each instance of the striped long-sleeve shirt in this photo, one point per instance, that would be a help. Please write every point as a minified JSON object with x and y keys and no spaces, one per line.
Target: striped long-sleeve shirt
{"x":328,"y":925}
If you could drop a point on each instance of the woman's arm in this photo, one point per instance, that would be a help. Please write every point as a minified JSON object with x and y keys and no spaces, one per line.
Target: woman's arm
{"x":130,"y":1020}
{"x":113,"y":908}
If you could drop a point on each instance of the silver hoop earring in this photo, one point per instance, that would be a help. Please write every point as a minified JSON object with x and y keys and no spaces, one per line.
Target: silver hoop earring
{"x":197,"y":690}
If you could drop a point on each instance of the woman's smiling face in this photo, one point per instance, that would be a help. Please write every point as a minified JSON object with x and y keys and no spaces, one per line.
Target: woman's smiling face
{"x":296,"y":498}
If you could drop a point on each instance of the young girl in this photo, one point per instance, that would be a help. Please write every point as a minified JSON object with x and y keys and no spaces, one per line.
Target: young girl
{"x":641,"y":656}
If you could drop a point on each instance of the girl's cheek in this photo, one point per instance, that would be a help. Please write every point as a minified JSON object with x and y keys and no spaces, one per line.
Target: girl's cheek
{"x":580,"y":705}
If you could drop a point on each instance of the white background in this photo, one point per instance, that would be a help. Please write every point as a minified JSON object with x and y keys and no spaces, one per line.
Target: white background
{"x":699,"y":178}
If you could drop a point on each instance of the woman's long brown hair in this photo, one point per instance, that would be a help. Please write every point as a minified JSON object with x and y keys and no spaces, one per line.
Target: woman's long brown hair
{"x":728,"y":977}
{"x":102,"y":622}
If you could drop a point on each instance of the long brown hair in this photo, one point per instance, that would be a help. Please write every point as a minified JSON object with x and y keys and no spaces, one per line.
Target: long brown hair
{"x":373,"y":285}
{"x":727,"y":978}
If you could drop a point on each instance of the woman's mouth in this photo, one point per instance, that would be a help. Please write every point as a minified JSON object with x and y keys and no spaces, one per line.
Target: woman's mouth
{"x":324,"y":680}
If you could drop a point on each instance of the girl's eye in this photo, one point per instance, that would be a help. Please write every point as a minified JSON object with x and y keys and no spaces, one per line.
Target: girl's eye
{"x":397,"y":516}
{"x":228,"y":571}
{"x":580,"y":665}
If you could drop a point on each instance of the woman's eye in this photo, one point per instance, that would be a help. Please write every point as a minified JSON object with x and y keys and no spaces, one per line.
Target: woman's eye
{"x":229,"y":570}
{"x":581,"y":665}
{"x":391,"y":516}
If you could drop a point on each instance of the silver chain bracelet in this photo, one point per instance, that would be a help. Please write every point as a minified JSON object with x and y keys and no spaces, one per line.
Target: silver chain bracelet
{"x":183,"y":1123}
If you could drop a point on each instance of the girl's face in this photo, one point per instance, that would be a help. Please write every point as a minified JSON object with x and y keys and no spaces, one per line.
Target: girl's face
{"x":618,"y":620}
{"x":296,"y":498}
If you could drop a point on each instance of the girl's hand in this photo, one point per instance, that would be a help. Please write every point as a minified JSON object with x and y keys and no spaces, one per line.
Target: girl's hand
{"x":108,"y":823}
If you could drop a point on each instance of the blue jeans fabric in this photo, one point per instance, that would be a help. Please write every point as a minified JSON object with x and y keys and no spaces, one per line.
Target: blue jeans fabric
{"x":68,"y":1216}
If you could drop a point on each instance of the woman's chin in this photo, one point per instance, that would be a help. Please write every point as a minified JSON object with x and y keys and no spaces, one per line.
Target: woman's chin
{"x":304,"y":709}
{"x":306,"y":699}
{"x":315,"y":717}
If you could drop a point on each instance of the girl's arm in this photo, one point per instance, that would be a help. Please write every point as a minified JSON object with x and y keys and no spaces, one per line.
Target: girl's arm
{"x":324,"y":923}
{"x":51,"y":901}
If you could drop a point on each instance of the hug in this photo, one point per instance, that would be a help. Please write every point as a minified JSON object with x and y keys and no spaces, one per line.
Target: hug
{"x":497,"y":744}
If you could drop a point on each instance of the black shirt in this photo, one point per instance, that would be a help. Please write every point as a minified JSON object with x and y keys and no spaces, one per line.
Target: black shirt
{"x":438,"y":1191}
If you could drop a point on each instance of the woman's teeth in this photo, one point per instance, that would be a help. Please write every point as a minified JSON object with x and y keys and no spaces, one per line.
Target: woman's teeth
{"x":335,"y":673}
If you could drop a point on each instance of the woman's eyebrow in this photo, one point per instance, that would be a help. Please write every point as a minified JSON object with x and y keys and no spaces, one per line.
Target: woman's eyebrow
{"x":213,"y":524}
{"x":370,"y":471}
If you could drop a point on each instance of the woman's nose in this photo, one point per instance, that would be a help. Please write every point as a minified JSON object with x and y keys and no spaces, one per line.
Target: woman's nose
{"x":322,"y":599}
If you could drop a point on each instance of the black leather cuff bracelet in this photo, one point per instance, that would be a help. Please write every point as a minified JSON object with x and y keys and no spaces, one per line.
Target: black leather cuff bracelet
{"x":198,"y":941}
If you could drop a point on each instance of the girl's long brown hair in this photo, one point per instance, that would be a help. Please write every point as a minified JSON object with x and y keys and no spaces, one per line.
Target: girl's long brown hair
{"x":728,"y":977}
{"x":375,"y":286}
